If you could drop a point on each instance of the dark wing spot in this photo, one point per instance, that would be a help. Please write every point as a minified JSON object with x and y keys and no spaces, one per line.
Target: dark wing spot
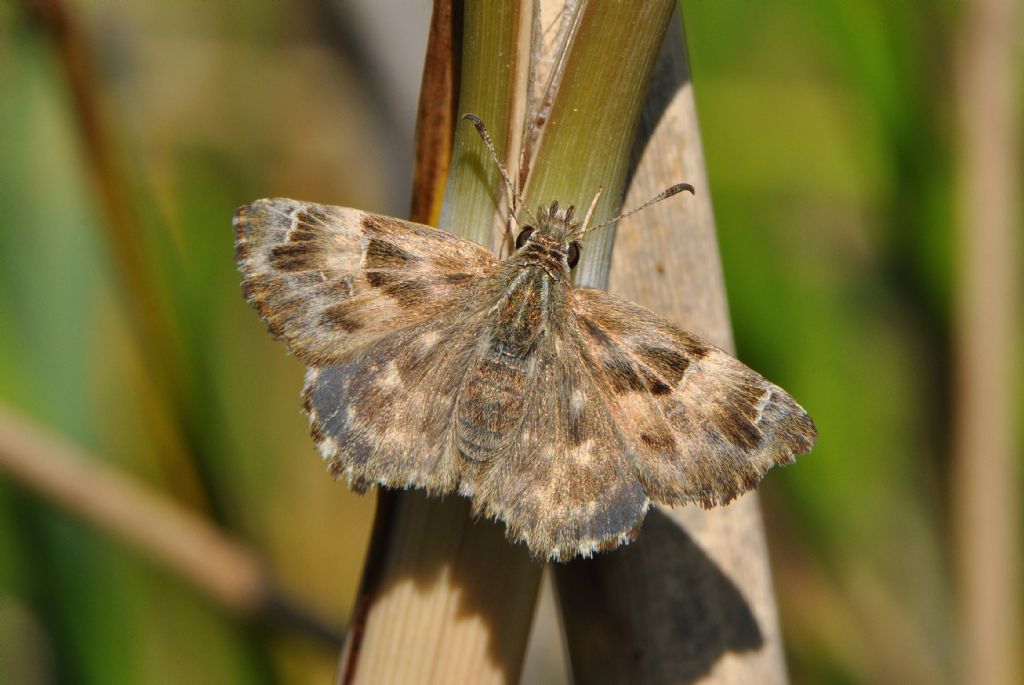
{"x":311,"y":218}
{"x":743,"y":398}
{"x":596,"y":332}
{"x":407,"y":292}
{"x":410,"y":293}
{"x":668,"y":364}
{"x":340,"y":317}
{"x":294,"y":257}
{"x":655,"y":385}
{"x":458,"y":279}
{"x":256,"y":288}
{"x":301,"y":236}
{"x":736,"y":428}
{"x":576,"y":432}
{"x":661,"y":442}
{"x":381,"y":254}
{"x":378,"y":279}
{"x":697,"y":348}
{"x":624,"y":376}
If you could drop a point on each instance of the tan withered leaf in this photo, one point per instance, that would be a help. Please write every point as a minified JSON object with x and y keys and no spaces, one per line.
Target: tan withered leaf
{"x":561,"y":411}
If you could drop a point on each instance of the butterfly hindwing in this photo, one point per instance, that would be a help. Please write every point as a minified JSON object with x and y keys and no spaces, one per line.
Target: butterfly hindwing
{"x":330,"y":280}
{"x":385,"y":416}
{"x":564,"y":486}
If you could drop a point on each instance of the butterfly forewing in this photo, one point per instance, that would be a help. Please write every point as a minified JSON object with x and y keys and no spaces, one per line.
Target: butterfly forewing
{"x":329,"y":281}
{"x":700,"y":425}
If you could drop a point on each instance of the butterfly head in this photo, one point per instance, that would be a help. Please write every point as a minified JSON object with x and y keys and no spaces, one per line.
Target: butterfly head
{"x":554,"y":240}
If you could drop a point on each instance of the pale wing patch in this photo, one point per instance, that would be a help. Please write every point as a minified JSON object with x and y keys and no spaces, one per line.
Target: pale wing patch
{"x":329,"y":280}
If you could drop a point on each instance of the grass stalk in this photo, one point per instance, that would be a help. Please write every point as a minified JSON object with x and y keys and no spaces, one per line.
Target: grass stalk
{"x":985,"y":482}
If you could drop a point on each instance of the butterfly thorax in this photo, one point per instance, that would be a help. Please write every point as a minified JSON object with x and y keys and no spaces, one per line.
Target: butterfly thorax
{"x":534,"y":281}
{"x":534,"y":284}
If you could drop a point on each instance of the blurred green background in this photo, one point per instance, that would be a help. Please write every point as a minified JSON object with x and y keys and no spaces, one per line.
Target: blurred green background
{"x":828,"y":130}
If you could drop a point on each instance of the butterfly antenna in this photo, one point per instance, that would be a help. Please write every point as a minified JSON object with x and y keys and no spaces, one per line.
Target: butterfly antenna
{"x":590,"y":212}
{"x":513,"y":195}
{"x":663,"y":195}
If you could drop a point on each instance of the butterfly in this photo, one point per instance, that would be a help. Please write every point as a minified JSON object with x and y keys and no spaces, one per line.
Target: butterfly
{"x":562,"y":411}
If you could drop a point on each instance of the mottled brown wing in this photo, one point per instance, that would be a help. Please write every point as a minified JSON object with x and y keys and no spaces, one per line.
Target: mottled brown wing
{"x":565,"y":486}
{"x":699,"y":425}
{"x":329,"y":280}
{"x":384,"y":417}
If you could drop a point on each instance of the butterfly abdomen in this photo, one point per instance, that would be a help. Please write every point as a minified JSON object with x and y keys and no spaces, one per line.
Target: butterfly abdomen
{"x":490,"y":409}
{"x":493,"y":403}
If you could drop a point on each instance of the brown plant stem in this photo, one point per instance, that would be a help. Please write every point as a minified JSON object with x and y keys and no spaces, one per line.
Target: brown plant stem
{"x":437,"y":114}
{"x":691,"y":600}
{"x":170,"y":535}
{"x":985,"y":481}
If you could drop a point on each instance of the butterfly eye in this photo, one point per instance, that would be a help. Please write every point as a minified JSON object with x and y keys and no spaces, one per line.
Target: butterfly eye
{"x":573,"y":256}
{"x":523,"y":236}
